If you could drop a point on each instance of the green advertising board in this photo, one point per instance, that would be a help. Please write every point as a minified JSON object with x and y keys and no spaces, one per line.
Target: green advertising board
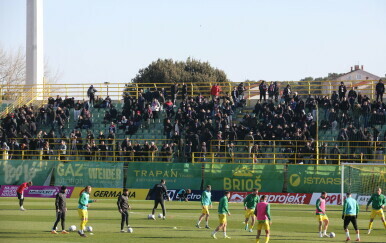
{"x":15,"y":172}
{"x":96,"y":174}
{"x":177,"y":175}
{"x":234,"y":177}
{"x":314,"y":178}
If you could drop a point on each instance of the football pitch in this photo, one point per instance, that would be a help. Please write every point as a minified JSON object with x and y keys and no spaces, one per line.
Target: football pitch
{"x":291,"y":223}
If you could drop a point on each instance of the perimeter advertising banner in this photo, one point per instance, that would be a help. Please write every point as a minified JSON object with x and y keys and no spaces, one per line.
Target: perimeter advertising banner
{"x":16,"y":172}
{"x":112,"y":193}
{"x":34,"y":191}
{"x":194,"y":196}
{"x":146,"y":175}
{"x":233,"y":177}
{"x":274,"y":197}
{"x":313,"y":178}
{"x":98,"y":174}
{"x":331,"y":199}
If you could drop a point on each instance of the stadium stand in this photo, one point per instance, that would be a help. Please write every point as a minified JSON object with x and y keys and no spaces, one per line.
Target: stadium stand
{"x":228,"y":123}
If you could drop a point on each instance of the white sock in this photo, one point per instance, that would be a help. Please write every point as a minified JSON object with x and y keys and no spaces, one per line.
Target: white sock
{"x":206,"y":223}
{"x":358,"y":236}
{"x":198,"y":222}
{"x":320,"y":233}
{"x":214,"y":232}
{"x":348,"y":234}
{"x":325,"y":232}
{"x":225,"y":233}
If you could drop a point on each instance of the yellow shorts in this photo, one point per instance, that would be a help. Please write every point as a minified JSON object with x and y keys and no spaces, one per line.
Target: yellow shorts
{"x":263,"y":224}
{"x":321,"y":217}
{"x":83,"y":214}
{"x":375,"y":213}
{"x":205,"y":209}
{"x":249,"y":213}
{"x":222,"y":218}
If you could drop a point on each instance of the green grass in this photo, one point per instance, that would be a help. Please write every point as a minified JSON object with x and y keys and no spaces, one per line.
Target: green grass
{"x":291,"y":223}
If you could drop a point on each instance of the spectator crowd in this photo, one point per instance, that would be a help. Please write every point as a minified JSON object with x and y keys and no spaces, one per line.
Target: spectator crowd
{"x":200,"y":125}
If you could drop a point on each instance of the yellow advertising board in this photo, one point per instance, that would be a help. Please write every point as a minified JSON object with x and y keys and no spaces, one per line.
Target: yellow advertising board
{"x":112,"y":193}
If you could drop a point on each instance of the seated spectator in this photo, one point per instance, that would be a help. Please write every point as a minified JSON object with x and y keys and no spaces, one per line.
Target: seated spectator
{"x":112,"y":128}
{"x":123,"y":123}
{"x":169,"y":108}
{"x":107,"y":118}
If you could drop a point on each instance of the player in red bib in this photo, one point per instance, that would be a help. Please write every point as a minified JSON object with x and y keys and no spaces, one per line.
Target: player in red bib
{"x":20,"y":193}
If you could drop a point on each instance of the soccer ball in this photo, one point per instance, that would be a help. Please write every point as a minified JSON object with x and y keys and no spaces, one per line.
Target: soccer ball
{"x":160,"y":215}
{"x":130,"y":230}
{"x":72,"y":228}
{"x":150,"y":216}
{"x":89,"y":228}
{"x":332,"y":235}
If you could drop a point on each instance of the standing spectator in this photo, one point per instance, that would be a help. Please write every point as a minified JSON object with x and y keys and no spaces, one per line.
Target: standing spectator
{"x":5,"y":149}
{"x":91,"y":94}
{"x":153,"y":150}
{"x":323,"y":154}
{"x":203,"y":152}
{"x":166,"y":152}
{"x":366,"y":110}
{"x":380,"y":89}
{"x":287,"y":93}
{"x":62,"y":150}
{"x":188,"y":152}
{"x":184,"y":91}
{"x":344,"y":105}
{"x":240,"y":91}
{"x":77,"y":109}
{"x":249,"y":138}
{"x":276,"y":91}
{"x":352,"y":95}
{"x":215,"y":91}
{"x":174,"y":92}
{"x":335,"y":153}
{"x":235,"y":95}
{"x":155,"y":107}
{"x":342,"y":91}
{"x":168,"y":127}
{"x":271,"y":90}
{"x":263,"y":90}
{"x":102,"y":147}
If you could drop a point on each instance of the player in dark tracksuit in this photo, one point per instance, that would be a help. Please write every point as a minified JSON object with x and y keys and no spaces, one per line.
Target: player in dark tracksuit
{"x":61,"y":208}
{"x":123,"y":207}
{"x":160,"y":190}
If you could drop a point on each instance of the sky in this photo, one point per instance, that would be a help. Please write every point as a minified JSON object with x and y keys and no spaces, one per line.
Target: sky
{"x":109,"y":41}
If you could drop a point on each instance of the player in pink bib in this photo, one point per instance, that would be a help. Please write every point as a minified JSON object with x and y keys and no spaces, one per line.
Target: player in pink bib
{"x":263,"y":215}
{"x":321,"y":215}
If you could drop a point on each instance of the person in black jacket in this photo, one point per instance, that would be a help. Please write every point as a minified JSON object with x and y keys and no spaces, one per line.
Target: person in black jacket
{"x":352,"y":95}
{"x":184,"y":91}
{"x":263,"y":90}
{"x":61,"y":209}
{"x":380,"y":89}
{"x":160,"y":191}
{"x":174,"y":92}
{"x":123,"y":207}
{"x":342,"y":91}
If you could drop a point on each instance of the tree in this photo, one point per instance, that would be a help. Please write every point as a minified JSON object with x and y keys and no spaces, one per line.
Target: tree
{"x":167,"y":71}
{"x":13,"y":72}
